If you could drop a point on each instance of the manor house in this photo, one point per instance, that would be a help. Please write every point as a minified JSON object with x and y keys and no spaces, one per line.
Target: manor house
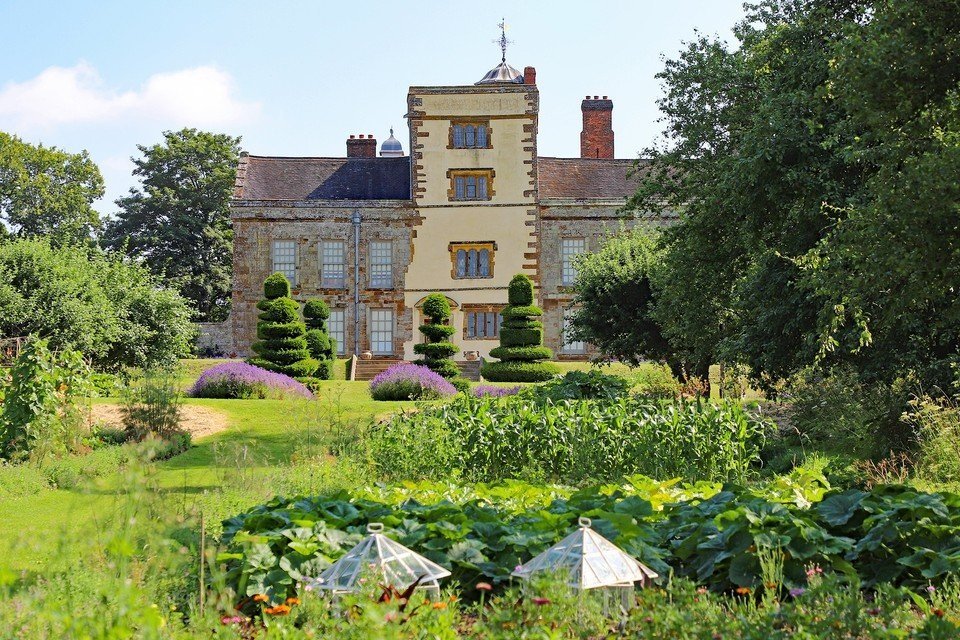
{"x":470,"y":206}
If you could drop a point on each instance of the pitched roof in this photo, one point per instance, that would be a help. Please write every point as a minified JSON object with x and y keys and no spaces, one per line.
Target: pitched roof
{"x":278,"y":178}
{"x":585,"y":178}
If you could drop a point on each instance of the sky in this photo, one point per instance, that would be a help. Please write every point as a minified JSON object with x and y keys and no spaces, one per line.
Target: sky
{"x":297,"y":78}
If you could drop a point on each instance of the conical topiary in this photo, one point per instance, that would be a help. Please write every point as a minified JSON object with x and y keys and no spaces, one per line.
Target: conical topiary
{"x":322,"y":347}
{"x":281,"y":335}
{"x":521,"y":351}
{"x":438,"y":349}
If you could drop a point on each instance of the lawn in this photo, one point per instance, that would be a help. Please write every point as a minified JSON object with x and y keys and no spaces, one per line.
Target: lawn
{"x":223,"y":472}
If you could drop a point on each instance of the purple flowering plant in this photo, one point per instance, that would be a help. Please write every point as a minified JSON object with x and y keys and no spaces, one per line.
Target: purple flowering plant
{"x":490,"y":391}
{"x":405,"y":381}
{"x":239,"y":380}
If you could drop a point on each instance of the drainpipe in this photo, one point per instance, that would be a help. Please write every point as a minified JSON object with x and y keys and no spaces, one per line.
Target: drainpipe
{"x":355,"y":219}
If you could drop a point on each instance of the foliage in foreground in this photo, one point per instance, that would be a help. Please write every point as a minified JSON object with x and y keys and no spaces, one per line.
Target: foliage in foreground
{"x":38,"y":407}
{"x":525,"y":436}
{"x":722,"y":537}
{"x":114,"y":312}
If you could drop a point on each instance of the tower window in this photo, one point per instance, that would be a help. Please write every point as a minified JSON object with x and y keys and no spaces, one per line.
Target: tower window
{"x":471,"y":184}
{"x":472,"y":259}
{"x":470,"y":135}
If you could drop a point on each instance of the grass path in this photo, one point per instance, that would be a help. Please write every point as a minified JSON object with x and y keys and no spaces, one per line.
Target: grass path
{"x":263,"y":436}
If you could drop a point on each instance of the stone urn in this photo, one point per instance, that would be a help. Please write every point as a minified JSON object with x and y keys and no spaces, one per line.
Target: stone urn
{"x":471,"y":355}
{"x":366,"y":355}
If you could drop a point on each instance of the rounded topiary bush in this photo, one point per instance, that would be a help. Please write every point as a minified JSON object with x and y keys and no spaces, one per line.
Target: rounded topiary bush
{"x":521,"y":351}
{"x":407,"y":381}
{"x":281,"y":344}
{"x":438,"y":350}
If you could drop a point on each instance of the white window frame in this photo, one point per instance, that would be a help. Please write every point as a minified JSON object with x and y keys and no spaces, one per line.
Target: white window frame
{"x":382,"y":329}
{"x":380,"y":264}
{"x":570,"y":248}
{"x":333,"y":264}
{"x":285,"y":249}
{"x":337,"y":328}
{"x":568,"y":346}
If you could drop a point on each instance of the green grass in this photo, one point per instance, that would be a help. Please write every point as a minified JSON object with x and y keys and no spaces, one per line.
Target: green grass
{"x":249,"y":460}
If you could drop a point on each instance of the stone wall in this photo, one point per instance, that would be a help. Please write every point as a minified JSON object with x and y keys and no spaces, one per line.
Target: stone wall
{"x":257,"y":225}
{"x":215,"y":338}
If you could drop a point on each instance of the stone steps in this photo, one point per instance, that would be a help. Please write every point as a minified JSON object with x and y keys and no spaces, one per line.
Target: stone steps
{"x":368,"y":369}
{"x":470,"y":369}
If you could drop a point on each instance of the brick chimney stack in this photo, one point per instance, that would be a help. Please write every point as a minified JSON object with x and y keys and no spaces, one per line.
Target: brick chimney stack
{"x":529,"y":75}
{"x":596,"y":139}
{"x":362,"y":146}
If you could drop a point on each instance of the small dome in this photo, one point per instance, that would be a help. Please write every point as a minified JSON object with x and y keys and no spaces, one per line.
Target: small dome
{"x":502,"y":74}
{"x":391,"y":147}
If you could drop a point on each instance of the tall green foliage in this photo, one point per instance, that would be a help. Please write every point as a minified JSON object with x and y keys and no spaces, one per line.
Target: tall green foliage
{"x":281,"y":334}
{"x":114,"y":312}
{"x":322,"y":347}
{"x":47,"y":192}
{"x":178,"y":221}
{"x":39,"y":413}
{"x":437,"y":350}
{"x":615,"y":295}
{"x":521,"y":351}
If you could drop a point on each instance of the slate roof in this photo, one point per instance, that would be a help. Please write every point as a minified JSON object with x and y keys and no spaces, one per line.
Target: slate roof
{"x":585,"y":178}
{"x":278,"y":178}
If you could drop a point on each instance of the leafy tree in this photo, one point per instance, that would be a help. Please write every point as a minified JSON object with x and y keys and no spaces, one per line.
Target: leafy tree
{"x":115,"y":313}
{"x":281,"y":335}
{"x":438,"y":350}
{"x":322,"y":347}
{"x":521,"y":351}
{"x":45,"y":191}
{"x":615,"y":293}
{"x":889,"y":267}
{"x":755,"y":143}
{"x":178,"y":221}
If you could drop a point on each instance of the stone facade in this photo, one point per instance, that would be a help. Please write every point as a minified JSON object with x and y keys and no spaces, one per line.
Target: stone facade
{"x":521,"y":215}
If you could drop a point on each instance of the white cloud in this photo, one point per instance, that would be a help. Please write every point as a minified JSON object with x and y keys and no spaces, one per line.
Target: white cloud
{"x":201,"y":96}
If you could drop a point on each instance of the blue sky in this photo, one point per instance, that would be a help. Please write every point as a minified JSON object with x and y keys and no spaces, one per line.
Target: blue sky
{"x":296,"y":78}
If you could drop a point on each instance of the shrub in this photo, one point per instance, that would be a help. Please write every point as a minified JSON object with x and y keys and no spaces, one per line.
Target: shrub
{"x":151,"y":407}
{"x":580,"y":385}
{"x":239,"y":380}
{"x":437,"y":351}
{"x":111,"y":310}
{"x":406,"y":381}
{"x":282,"y":343}
{"x":521,"y":347}
{"x":936,"y":422}
{"x":322,"y":347}
{"x":832,"y":409}
{"x":572,"y":440}
{"x":462,"y":385}
{"x":105,"y":385}
{"x":39,"y":413}
{"x":654,"y":381}
{"x":490,"y":391}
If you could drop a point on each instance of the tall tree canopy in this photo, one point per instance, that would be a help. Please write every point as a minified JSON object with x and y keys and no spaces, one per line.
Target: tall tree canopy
{"x":178,"y":221}
{"x":814,"y":168}
{"x":45,"y":191}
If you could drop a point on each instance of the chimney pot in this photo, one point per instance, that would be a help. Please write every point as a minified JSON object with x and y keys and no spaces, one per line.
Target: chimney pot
{"x":596,"y":139}
{"x":529,"y":75}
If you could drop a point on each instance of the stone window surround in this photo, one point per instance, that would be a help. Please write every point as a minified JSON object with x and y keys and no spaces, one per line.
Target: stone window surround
{"x":468,"y":308}
{"x":370,"y":263}
{"x":566,"y":347}
{"x":486,"y":172}
{"x":453,"y":247}
{"x":343,"y":264}
{"x":372,"y":320}
{"x":567,"y":258}
{"x":470,"y":121}
{"x":342,"y":322}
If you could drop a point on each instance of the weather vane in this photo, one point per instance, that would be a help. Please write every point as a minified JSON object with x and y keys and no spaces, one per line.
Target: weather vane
{"x":502,"y":41}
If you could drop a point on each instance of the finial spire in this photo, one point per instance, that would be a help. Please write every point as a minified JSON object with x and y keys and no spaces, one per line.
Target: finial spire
{"x":503,"y":42}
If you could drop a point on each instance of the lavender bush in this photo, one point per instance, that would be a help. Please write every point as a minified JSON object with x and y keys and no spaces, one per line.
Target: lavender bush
{"x":406,"y":381}
{"x":239,"y":380}
{"x":490,"y":391}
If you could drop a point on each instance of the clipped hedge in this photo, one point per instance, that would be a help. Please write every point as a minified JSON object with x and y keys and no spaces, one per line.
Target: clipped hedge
{"x":281,"y":336}
{"x":510,"y":337}
{"x":322,"y":347}
{"x":521,"y":347}
{"x":520,"y":353}
{"x":437,"y":350}
{"x":513,"y":371}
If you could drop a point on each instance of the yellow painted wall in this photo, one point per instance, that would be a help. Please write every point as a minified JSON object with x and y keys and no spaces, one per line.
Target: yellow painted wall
{"x":502,"y":219}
